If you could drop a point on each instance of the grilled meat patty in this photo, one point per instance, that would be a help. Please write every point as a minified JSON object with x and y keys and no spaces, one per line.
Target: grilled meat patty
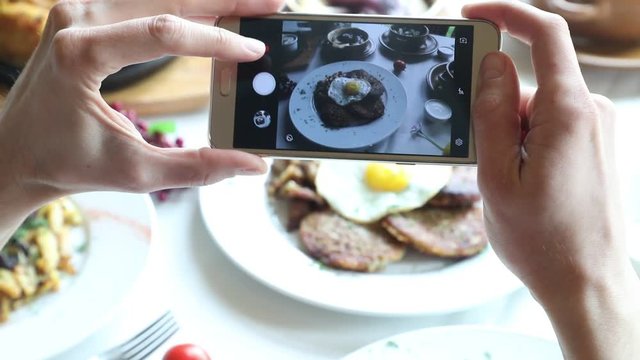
{"x":361,"y":112}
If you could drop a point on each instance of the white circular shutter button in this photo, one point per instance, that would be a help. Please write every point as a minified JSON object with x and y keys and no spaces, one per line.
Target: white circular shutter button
{"x":264,"y":84}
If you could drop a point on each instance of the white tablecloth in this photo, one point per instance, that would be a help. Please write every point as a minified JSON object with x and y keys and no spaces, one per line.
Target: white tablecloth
{"x":235,"y":317}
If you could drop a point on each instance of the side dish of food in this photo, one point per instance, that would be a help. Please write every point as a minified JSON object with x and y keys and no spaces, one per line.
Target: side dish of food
{"x":37,"y":255}
{"x":21,"y":25}
{"x":361,"y":216}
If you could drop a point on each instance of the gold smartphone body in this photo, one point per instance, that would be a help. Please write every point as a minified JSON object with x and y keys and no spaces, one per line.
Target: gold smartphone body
{"x":355,"y":87}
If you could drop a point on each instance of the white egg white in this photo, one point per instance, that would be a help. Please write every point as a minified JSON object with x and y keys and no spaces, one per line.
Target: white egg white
{"x":337,"y":93}
{"x":343,"y":185}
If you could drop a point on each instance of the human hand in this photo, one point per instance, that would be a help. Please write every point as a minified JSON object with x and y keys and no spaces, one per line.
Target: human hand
{"x":61,"y":135}
{"x":546,"y":169}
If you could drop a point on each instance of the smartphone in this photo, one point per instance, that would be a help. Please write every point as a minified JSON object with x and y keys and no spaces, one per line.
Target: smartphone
{"x":352,"y":87}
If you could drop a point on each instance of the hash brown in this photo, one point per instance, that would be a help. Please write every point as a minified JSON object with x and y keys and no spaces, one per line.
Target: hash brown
{"x":461,"y":191}
{"x":449,"y":233}
{"x":340,"y":243}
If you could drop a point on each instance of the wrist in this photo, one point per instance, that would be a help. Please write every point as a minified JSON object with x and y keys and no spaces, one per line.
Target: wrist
{"x":597,"y":317}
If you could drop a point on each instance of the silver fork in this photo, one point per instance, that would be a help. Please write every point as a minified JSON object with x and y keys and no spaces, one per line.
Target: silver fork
{"x":145,"y":342}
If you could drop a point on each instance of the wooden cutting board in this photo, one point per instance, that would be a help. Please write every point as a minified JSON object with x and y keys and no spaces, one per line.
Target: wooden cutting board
{"x":181,"y":86}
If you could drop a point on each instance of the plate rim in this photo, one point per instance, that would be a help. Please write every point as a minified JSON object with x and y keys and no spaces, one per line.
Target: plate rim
{"x":410,"y":53}
{"x":455,"y":330}
{"x":103,"y":319}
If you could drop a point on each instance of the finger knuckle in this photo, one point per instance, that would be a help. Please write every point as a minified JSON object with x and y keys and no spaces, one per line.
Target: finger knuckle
{"x":195,"y":176}
{"x":557,"y":24}
{"x":604,"y":104}
{"x":61,"y":15}
{"x":167,"y":29}
{"x":221,"y":39}
{"x":64,"y":46}
{"x":135,"y":179}
{"x":73,"y":49}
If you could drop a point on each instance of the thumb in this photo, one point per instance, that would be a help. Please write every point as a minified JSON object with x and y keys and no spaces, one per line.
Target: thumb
{"x":177,"y":168}
{"x":496,"y":120}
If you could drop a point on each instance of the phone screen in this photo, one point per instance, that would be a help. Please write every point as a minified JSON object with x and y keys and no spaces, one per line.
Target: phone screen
{"x":356,"y":87}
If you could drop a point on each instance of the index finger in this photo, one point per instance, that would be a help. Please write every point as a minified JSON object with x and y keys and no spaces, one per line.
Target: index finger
{"x":554,"y":57}
{"x":84,"y":13}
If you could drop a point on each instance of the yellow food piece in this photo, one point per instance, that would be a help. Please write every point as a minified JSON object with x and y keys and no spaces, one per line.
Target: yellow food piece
{"x":447,"y":150}
{"x":48,"y":244}
{"x":386,"y":177}
{"x":352,"y":88}
{"x":21,"y":26}
{"x":9,"y":285}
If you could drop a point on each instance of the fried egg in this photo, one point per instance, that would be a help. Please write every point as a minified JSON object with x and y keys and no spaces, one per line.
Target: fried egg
{"x":365,"y":192}
{"x":345,"y":91}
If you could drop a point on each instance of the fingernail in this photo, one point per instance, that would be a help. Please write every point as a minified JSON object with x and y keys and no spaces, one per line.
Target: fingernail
{"x":493,"y":66}
{"x":254,"y":46}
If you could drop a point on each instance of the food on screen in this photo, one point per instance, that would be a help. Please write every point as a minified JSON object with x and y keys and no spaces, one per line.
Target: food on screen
{"x":36,"y":256}
{"x":346,"y":99}
{"x":362,"y":216}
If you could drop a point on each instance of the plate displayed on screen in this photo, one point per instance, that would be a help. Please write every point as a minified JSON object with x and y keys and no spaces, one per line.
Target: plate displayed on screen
{"x":305,"y":118}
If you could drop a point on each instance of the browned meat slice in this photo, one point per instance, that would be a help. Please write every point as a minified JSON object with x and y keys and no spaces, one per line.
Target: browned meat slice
{"x":293,"y":190}
{"x":367,"y":109}
{"x":461,"y":191}
{"x":296,"y":211}
{"x":340,"y":243}
{"x":451,"y":233}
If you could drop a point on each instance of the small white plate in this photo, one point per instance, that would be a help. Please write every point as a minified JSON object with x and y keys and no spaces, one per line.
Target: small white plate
{"x":460,"y":343}
{"x":307,"y":121}
{"x":242,"y":220}
{"x":119,"y":229}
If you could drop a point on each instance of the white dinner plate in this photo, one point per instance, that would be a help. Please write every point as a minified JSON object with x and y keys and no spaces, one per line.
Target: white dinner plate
{"x":240,"y":217}
{"x":118,"y":233}
{"x":629,"y":172}
{"x":460,"y":343}
{"x":307,"y":121}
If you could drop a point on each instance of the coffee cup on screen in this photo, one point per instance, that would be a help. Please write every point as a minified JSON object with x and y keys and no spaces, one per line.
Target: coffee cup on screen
{"x":608,"y":20}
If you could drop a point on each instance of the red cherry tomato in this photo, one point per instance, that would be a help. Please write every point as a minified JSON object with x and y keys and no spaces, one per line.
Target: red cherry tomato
{"x":186,"y":352}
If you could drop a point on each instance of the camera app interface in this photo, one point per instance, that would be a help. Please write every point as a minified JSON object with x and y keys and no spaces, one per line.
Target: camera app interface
{"x":355,"y":86}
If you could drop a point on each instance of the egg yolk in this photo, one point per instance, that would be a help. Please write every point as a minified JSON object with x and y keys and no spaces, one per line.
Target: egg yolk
{"x":351,"y":88}
{"x":386,"y":177}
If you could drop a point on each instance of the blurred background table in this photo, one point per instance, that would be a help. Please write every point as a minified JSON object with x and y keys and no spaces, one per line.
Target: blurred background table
{"x":236,"y":317}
